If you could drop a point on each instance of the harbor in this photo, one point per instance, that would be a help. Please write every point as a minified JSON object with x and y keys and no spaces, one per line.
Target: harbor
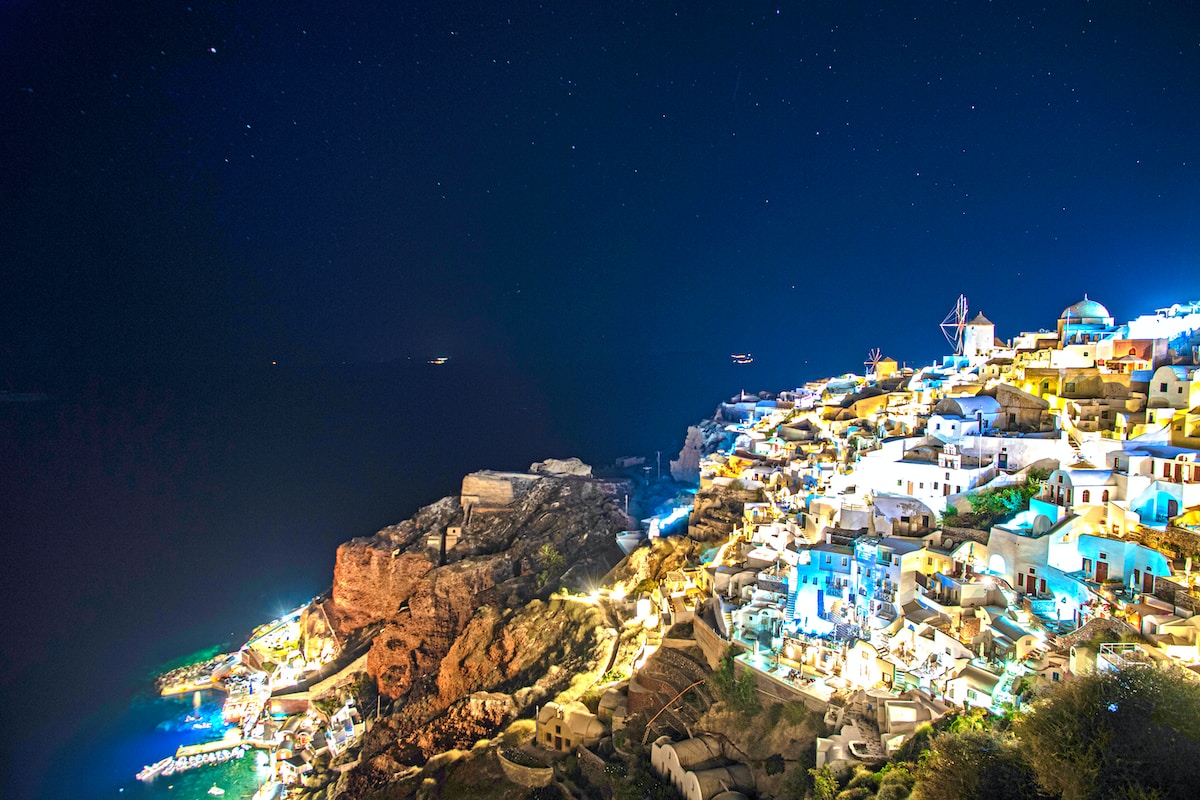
{"x":259,"y":708}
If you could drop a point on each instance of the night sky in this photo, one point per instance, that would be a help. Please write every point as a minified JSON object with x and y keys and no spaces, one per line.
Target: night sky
{"x":517,"y":181}
{"x":194,"y":192}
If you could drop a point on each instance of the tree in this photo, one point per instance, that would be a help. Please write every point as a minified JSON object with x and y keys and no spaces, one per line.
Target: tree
{"x":1133,"y":733}
{"x":740,"y":693}
{"x":824,"y":783}
{"x":552,"y":561}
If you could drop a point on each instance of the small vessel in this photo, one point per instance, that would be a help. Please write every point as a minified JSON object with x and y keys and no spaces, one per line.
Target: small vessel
{"x":152,"y":771}
{"x":742,"y":358}
{"x":215,"y":790}
{"x":439,"y":360}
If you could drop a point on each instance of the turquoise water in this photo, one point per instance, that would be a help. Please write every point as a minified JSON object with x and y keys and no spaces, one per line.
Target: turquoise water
{"x":175,"y":722}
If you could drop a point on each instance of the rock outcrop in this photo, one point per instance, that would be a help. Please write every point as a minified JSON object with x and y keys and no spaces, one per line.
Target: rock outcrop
{"x":561,"y":466}
{"x":703,"y":438}
{"x":466,"y":639}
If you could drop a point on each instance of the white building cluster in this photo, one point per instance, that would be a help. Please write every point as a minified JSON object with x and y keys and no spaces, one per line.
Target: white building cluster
{"x":863,"y":564}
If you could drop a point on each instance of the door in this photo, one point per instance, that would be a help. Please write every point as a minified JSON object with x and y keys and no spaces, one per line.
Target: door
{"x":1101,"y":571}
{"x":1148,"y":583}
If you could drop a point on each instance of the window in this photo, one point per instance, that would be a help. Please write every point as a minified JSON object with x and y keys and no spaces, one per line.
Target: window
{"x":1033,"y":570}
{"x":1103,"y":555}
{"x":1087,"y":495}
{"x":1070,"y":387}
{"x":1104,"y":496}
{"x":935,"y":484}
{"x":922,"y":484}
{"x":947,"y":476}
{"x":845,"y":561}
{"x":1162,"y":387}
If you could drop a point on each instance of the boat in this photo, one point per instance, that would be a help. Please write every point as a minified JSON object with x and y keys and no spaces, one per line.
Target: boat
{"x":152,"y":771}
{"x":215,"y":790}
{"x":742,"y":358}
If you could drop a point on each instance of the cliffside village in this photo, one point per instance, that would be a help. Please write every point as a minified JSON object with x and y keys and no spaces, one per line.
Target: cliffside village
{"x":885,"y":549}
{"x":859,"y":571}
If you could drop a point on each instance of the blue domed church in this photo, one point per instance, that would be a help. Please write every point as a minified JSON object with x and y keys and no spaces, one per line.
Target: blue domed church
{"x":1084,"y":322}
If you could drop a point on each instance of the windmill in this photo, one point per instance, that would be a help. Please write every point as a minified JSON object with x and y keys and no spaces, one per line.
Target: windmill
{"x":873,"y":358}
{"x":955,"y":323}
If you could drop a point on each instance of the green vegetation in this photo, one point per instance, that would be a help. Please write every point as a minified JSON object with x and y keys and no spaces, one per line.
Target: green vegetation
{"x":552,"y":564}
{"x":739,"y":693}
{"x":1132,"y":735}
{"x":991,"y":506}
{"x":1135,"y":733}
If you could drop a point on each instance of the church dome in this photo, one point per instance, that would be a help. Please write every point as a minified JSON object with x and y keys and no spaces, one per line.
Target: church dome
{"x":1085,"y":309}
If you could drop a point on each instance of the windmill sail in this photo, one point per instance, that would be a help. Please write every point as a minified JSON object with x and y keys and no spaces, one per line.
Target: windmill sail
{"x":955,"y":323}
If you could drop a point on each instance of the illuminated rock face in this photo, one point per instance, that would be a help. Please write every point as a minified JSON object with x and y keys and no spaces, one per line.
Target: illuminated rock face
{"x":474,"y":624}
{"x":552,"y":529}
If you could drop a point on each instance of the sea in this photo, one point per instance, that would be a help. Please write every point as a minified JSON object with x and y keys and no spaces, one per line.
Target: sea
{"x":150,"y":519}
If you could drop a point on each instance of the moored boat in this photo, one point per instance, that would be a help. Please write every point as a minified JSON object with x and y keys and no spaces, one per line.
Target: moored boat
{"x":152,"y":771}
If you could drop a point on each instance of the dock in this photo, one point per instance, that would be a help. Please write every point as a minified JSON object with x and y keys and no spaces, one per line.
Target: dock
{"x":228,"y":743}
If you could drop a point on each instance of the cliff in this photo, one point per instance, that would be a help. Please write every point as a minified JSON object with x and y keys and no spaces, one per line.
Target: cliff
{"x":704,"y":438}
{"x":466,"y":638}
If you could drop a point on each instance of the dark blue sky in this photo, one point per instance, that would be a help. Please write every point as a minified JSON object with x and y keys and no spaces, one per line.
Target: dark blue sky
{"x":521,"y":181}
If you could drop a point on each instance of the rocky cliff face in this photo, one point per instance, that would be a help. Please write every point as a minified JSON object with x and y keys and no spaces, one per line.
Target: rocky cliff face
{"x":467,"y":639}
{"x":703,"y":438}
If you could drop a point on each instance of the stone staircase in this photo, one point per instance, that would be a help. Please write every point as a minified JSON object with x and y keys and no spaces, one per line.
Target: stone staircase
{"x":676,"y":670}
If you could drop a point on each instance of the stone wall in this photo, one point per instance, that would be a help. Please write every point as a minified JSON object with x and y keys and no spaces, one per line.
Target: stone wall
{"x":487,"y":488}
{"x":529,"y":777}
{"x":1177,"y":543}
{"x":709,"y":641}
{"x":776,"y":691}
{"x":1114,"y":627}
{"x":960,"y":535}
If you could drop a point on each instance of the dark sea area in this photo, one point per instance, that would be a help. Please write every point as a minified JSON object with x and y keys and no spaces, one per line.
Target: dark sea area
{"x":149,"y":517}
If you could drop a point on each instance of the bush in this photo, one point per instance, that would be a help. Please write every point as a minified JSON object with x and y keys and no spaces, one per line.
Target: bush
{"x":1127,"y":734}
